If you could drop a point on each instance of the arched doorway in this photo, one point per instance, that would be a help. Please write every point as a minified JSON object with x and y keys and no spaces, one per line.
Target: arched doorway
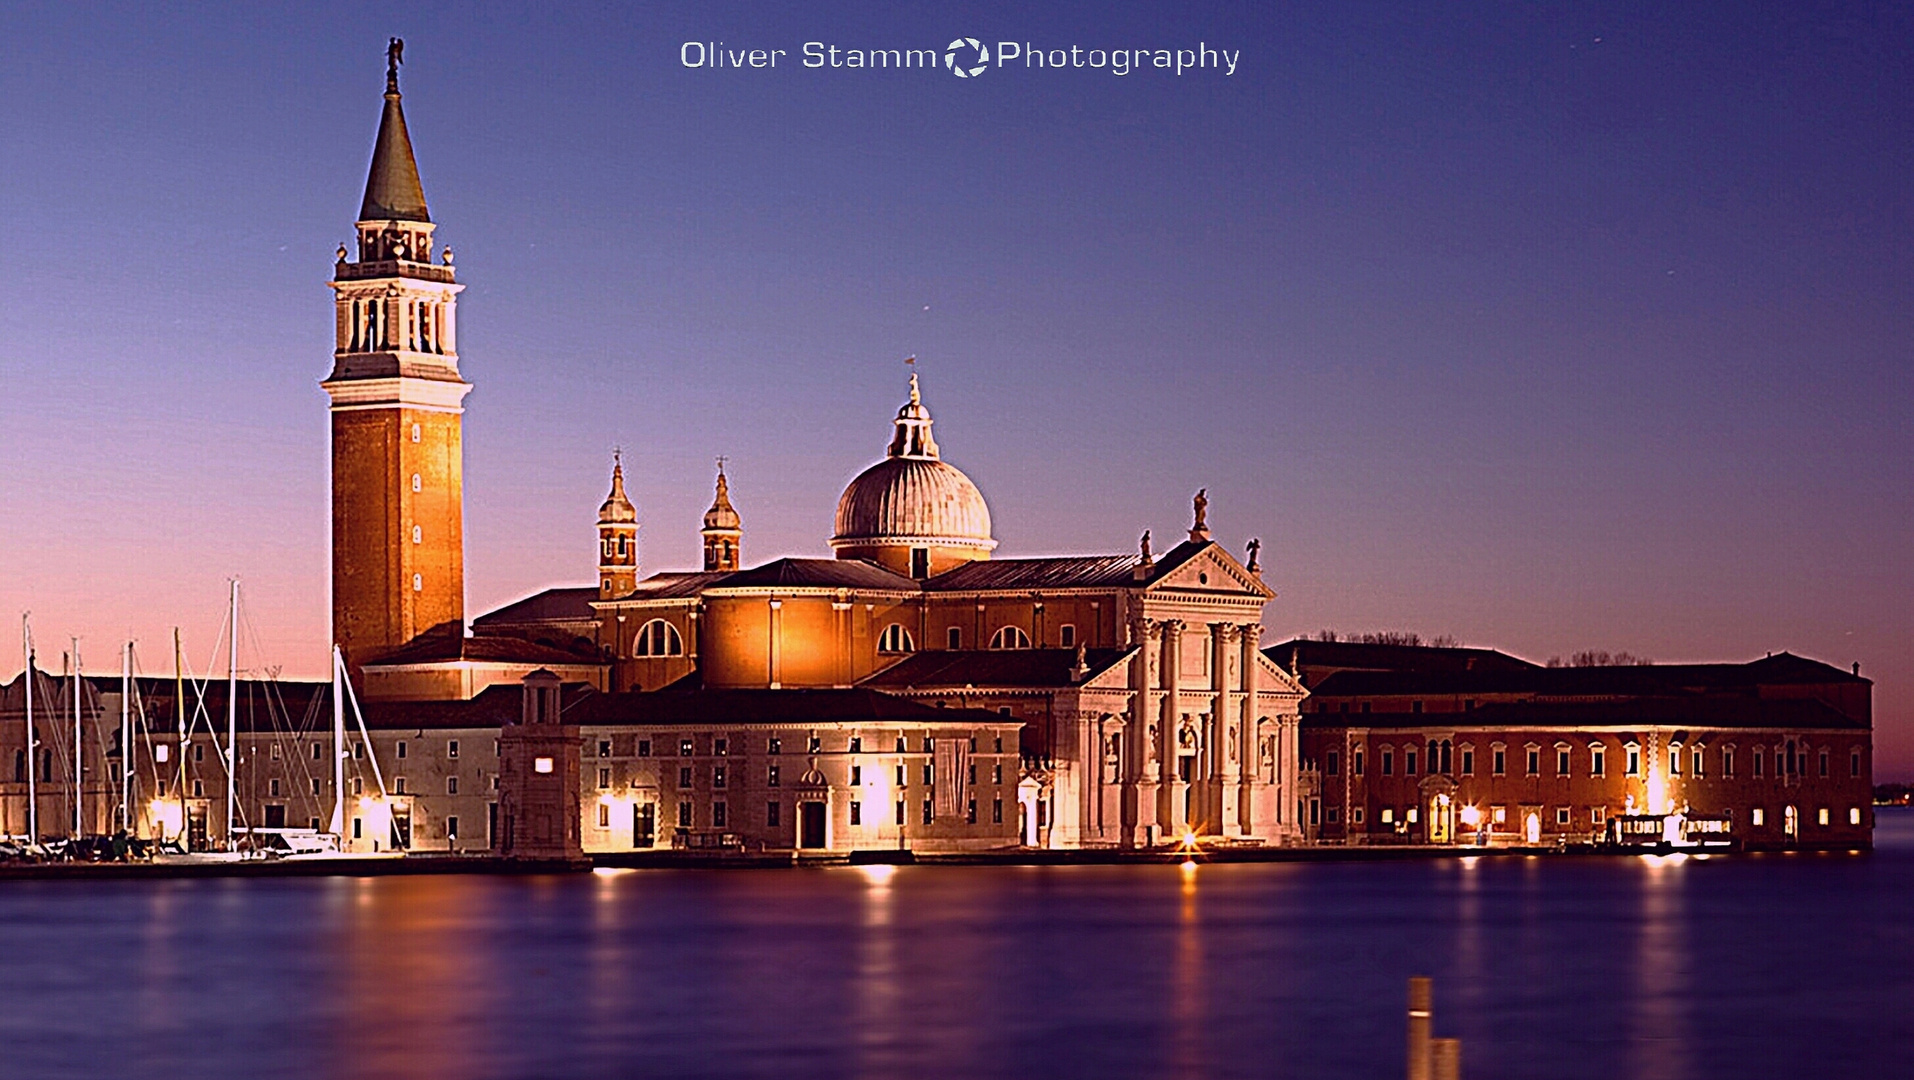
{"x":1532,"y":826}
{"x":1791,"y":823}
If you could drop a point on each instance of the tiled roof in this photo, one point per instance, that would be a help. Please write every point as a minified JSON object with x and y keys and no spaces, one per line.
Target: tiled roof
{"x":1633,"y":680}
{"x":1689,"y":711}
{"x":984,"y":669}
{"x":569,"y":604}
{"x":433,"y":649}
{"x":1077,"y":571}
{"x":816,"y":573}
{"x":1349,"y":654}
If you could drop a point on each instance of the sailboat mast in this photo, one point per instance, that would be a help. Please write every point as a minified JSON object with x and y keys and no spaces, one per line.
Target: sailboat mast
{"x":33,"y":794}
{"x":179,"y":701}
{"x":126,"y":739}
{"x":232,"y":707}
{"x":338,"y":746}
{"x":79,"y":823}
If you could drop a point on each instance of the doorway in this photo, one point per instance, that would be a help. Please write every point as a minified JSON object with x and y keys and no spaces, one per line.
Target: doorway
{"x":1791,"y":823}
{"x":402,"y":828}
{"x":1442,"y":819}
{"x":811,"y":825}
{"x":196,"y":827}
{"x":1532,"y":827}
{"x":644,"y":825}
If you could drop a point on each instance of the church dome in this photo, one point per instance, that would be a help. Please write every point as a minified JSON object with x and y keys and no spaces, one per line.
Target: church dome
{"x":913,"y":499}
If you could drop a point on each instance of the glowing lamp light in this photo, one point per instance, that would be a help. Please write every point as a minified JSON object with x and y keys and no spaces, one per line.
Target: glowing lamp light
{"x":542,"y":765}
{"x":1471,"y":816}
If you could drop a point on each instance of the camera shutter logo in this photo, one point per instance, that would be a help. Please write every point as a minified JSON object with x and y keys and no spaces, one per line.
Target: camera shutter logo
{"x":962,"y":68}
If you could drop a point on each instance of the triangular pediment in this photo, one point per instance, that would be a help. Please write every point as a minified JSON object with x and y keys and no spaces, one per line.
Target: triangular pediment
{"x":1210,"y":567}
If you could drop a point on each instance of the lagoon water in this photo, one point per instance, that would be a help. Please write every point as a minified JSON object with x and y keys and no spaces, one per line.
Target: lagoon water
{"x":1744,"y":967}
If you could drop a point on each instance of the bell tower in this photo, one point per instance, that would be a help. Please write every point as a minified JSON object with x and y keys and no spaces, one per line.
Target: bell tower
{"x":398,"y":562}
{"x":723,"y":531}
{"x":617,"y":537}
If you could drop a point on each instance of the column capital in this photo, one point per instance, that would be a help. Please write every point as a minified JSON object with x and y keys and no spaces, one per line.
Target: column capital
{"x":1174,"y":626}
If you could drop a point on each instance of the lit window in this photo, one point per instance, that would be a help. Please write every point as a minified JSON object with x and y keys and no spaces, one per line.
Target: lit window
{"x":1821,"y":816}
{"x":1411,"y":817}
{"x":1757,"y":816}
{"x":1388,"y":815}
{"x":542,"y":765}
{"x":658,"y":638}
{"x":1499,"y":815}
{"x":895,"y":639}
{"x":1854,"y":815}
{"x":1010,"y":637}
{"x":162,"y":751}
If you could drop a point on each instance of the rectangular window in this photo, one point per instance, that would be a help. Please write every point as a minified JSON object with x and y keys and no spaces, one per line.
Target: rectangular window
{"x":451,"y":785}
{"x":1755,"y":762}
{"x":684,"y":815}
{"x":644,"y":747}
{"x":857,"y":775}
{"x":1388,"y":815}
{"x":1757,"y":816}
{"x":774,"y":746}
{"x":930,"y":744}
{"x":1534,"y":761}
{"x":1854,"y":815}
{"x":928,"y":774}
{"x":398,"y":785}
{"x":930,"y":811}
{"x":1332,"y":764}
{"x":1674,"y":761}
{"x":1854,"y":763}
{"x":718,"y":815}
{"x":684,"y":747}
{"x":900,"y":776}
{"x":1499,"y":761}
{"x":684,"y":776}
{"x":771,"y":776}
{"x":318,"y":752}
{"x":604,"y":748}
{"x":1824,"y":763}
{"x":1821,"y":816}
{"x":1388,"y":762}
{"x":1408,"y":763}
{"x":1468,"y":761}
{"x":721,"y":747}
{"x":275,"y":751}
{"x":1561,"y":816}
{"x":1728,"y":761}
{"x":1415,"y":706}
{"x":358,"y":785}
{"x":1355,"y":763}
{"x":1335,"y":814}
{"x":817,"y":745}
{"x":452,"y":748}
{"x":900,"y":811}
{"x":1635,"y":761}
{"x":996,"y":811}
{"x":604,"y":779}
{"x":771,"y":813}
{"x":401,"y":750}
{"x":452,"y":828}
{"x":956,"y":637}
{"x":856,"y":745}
{"x":997,"y":773}
{"x":358,"y":828}
{"x":604,"y":816}
{"x":1499,"y":815}
{"x":1696,"y":759}
{"x":1067,"y":637}
{"x":857,"y":812}
{"x":717,"y":777}
{"x":1597,"y":815}
{"x":315,"y":785}
{"x":1355,"y":815}
{"x":1597,"y":761}
{"x":970,"y":812}
{"x":1561,"y":761}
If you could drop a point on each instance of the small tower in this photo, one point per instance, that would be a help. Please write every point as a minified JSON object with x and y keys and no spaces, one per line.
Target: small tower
{"x":617,"y":537}
{"x":723,"y":531}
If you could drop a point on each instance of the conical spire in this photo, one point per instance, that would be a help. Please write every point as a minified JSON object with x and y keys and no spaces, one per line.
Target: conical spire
{"x":721,"y":515}
{"x":617,"y":509}
{"x":912,"y":439}
{"x":393,"y":192}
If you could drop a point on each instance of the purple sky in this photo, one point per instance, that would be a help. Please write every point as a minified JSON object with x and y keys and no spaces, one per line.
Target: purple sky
{"x":1548,"y":329}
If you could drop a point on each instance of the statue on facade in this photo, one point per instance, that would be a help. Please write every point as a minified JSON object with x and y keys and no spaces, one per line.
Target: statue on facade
{"x":1200,"y":531}
{"x":1255,"y":552}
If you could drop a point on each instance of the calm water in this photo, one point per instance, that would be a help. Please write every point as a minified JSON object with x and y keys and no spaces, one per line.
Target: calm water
{"x":1730,"y":967}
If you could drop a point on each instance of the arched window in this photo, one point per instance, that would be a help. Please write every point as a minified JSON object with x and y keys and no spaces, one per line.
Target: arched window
{"x":658,"y":638}
{"x":1010,"y":637}
{"x":895,"y":639}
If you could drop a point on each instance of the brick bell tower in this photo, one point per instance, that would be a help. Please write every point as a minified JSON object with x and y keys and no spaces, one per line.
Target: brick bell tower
{"x":398,"y":563}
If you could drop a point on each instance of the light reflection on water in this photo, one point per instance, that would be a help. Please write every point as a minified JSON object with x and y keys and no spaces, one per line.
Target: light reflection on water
{"x":1729,"y":967}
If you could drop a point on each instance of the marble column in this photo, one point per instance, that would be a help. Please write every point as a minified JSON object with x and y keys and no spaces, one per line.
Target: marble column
{"x":1169,"y":816}
{"x":1251,"y":777}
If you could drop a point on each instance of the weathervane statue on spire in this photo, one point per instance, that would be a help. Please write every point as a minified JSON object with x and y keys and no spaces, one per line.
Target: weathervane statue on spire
{"x":394,"y":56}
